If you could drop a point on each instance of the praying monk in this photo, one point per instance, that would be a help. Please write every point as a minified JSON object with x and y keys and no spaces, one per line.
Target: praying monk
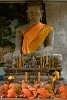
{"x":35,"y":36}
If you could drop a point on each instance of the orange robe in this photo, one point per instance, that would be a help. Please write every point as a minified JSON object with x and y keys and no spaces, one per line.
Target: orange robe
{"x":29,"y":92}
{"x":62,"y":92}
{"x":24,"y":85}
{"x":11,"y":93}
{"x":43,"y":93}
{"x":26,"y":93}
{"x":34,"y":36}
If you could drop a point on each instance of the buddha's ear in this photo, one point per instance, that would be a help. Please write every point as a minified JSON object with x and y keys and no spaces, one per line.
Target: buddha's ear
{"x":27,"y":15}
{"x":41,"y":14}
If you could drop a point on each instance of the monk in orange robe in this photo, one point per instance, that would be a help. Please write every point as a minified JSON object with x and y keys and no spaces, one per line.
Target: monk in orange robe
{"x":24,"y":85}
{"x":11,"y":93}
{"x":43,"y":93}
{"x":28,"y":92}
{"x":63,"y":91}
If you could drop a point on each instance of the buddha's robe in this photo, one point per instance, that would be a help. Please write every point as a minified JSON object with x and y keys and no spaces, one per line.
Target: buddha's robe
{"x":34,"y":36}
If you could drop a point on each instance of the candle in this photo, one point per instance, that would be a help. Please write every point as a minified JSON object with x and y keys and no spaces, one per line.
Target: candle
{"x":52,"y":62}
{"x":14,"y":62}
{"x":49,"y":62}
{"x":17,"y":63}
{"x":20,"y":60}
{"x":26,"y":76}
{"x":46,"y":57}
{"x":41,"y":61}
{"x":23,"y":62}
{"x":38,"y":76}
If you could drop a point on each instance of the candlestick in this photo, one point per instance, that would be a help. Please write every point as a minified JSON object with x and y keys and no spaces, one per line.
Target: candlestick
{"x":53,"y":79}
{"x":56,"y":74}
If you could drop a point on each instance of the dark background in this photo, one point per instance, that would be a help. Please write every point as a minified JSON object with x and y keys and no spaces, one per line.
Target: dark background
{"x":9,"y":12}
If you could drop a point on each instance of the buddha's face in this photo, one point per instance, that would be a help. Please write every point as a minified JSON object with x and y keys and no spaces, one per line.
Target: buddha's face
{"x":34,"y":13}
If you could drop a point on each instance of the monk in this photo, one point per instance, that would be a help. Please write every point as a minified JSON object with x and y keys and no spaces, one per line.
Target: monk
{"x":28,"y":91}
{"x":63,"y":91}
{"x":43,"y":93}
{"x":24,"y":85}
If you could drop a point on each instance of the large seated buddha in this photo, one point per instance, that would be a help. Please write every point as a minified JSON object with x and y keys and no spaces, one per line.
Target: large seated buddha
{"x":35,"y":37}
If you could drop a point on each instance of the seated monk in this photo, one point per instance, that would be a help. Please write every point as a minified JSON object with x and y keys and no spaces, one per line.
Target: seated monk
{"x":35,"y":36}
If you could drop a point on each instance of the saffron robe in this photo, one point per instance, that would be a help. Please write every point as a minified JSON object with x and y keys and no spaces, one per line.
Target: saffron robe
{"x":34,"y":36}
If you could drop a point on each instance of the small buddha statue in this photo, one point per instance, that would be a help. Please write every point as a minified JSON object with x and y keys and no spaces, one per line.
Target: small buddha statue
{"x":33,"y":61}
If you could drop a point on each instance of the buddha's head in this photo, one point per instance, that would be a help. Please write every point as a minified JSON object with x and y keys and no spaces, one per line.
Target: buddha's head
{"x":34,"y":12}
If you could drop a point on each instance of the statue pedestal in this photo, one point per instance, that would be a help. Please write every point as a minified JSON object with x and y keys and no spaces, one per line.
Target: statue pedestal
{"x":25,"y":71}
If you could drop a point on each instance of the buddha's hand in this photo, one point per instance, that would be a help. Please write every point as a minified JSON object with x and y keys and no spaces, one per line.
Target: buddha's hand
{"x":16,"y":53}
{"x":8,"y":58}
